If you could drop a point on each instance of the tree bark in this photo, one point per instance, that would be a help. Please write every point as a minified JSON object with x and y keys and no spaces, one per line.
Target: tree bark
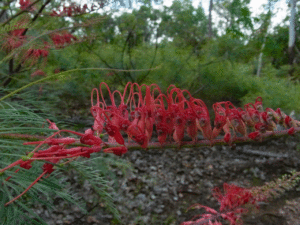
{"x":259,"y":65}
{"x":210,"y":34}
{"x":292,"y":35}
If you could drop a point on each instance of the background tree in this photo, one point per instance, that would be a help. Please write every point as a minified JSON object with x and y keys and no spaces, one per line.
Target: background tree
{"x":292,"y":34}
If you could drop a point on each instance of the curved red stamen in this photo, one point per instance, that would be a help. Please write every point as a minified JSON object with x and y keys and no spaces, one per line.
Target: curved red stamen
{"x":121,"y":96}
{"x":124,"y":93}
{"x":109,"y":92}
{"x":171,"y":86}
{"x":92,"y":97}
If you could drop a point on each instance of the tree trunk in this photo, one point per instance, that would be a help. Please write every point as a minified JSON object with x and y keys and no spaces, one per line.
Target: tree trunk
{"x":259,"y":66}
{"x":210,"y":34}
{"x":292,"y":35}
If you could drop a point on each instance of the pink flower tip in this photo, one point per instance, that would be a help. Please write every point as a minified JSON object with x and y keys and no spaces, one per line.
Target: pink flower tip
{"x":52,"y":125}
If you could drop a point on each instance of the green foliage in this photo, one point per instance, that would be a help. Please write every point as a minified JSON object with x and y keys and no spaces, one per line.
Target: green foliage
{"x":15,"y":118}
{"x":276,"y":93}
{"x":96,"y":170}
{"x":221,"y":81}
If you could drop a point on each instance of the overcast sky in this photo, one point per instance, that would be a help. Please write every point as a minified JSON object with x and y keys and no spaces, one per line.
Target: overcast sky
{"x":256,"y":7}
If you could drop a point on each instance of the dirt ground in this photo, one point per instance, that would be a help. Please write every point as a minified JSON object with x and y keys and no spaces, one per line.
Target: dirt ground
{"x":165,"y":182}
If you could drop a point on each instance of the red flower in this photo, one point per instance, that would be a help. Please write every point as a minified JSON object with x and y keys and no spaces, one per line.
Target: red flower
{"x":47,"y":167}
{"x":260,"y":127}
{"x":254,"y":135}
{"x":114,"y":132}
{"x":18,"y":32}
{"x":54,"y":13}
{"x":26,"y":165}
{"x":227,"y":137}
{"x":233,"y":197}
{"x":24,"y":4}
{"x":90,"y":139}
{"x":60,"y":40}
{"x":116,"y":150}
{"x":288,"y":121}
{"x":291,"y":131}
{"x":14,"y":40}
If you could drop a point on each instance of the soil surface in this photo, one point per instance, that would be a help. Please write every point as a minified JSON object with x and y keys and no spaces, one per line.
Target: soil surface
{"x":165,"y":182}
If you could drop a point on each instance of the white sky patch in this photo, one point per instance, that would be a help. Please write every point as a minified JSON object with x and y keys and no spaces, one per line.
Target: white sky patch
{"x":256,"y":7}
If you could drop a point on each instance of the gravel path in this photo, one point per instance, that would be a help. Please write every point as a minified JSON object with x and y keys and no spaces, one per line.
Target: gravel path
{"x":164,"y":183}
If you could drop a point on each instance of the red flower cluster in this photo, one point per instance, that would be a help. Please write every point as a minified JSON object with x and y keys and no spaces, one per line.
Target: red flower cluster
{"x":32,"y":55}
{"x":14,"y":40}
{"x":24,"y":5}
{"x":61,"y":40}
{"x":231,"y":206}
{"x":58,"y":149}
{"x":177,"y":112}
{"x":71,"y":10}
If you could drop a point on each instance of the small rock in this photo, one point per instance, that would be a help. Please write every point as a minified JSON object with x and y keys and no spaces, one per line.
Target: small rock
{"x":158,"y":210}
{"x":86,"y":185}
{"x":141,"y":197}
{"x":197,"y":171}
{"x":164,"y":189}
{"x":154,"y":168}
{"x":157,"y":190}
